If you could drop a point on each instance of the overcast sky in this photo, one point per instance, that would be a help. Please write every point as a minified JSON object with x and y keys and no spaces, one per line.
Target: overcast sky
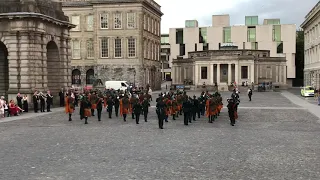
{"x":177,"y":11}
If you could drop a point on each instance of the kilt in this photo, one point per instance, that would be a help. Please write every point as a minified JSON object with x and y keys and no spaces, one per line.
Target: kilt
{"x":94,"y":106}
{"x":87,"y":112}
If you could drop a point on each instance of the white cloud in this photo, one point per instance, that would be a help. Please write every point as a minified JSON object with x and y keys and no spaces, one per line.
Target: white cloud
{"x":177,"y":11}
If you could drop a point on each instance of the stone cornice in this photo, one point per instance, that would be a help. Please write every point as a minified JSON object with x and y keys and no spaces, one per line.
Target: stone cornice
{"x":20,"y":15}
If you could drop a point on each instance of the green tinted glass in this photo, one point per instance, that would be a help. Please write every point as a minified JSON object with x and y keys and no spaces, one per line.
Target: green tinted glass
{"x":251,"y":34}
{"x":227,"y":34}
{"x":254,"y":20}
{"x":204,"y":34}
{"x":277,"y":33}
{"x":248,"y":20}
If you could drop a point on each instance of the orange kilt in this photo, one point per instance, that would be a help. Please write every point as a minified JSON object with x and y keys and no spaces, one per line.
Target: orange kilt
{"x":94,"y":106}
{"x":69,"y":110}
{"x":124,"y":111}
{"x":87,"y":112}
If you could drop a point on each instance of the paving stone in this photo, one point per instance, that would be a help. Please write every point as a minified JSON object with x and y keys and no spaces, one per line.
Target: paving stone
{"x":264,"y":144}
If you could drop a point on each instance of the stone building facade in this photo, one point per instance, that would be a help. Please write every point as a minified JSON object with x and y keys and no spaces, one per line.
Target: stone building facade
{"x":34,"y":47}
{"x":115,"y":40}
{"x":227,"y":66}
{"x":311,"y":27}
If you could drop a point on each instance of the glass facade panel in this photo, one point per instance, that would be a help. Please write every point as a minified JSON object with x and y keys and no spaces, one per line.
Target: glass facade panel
{"x":252,"y":20}
{"x":251,"y":35}
{"x":254,"y":45}
{"x":202,"y":35}
{"x":227,"y":34}
{"x":164,"y":40}
{"x":273,"y":21}
{"x":179,"y":36}
{"x":277,"y":33}
{"x":204,"y":72}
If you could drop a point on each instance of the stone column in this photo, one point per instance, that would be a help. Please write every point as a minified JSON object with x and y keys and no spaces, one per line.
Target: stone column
{"x":218,"y":73}
{"x":229,"y":74}
{"x":236,"y":72}
{"x":252,"y":73}
{"x":277,"y":73}
{"x":285,"y":74}
{"x":196,"y":75}
{"x":280,"y":74}
{"x":13,"y":45}
{"x":193,"y":75}
{"x":211,"y":74}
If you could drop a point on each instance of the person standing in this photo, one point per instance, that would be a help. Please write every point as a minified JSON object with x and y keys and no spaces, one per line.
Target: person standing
{"x":35,"y":99}
{"x":49,"y":101}
{"x":195,"y":108}
{"x":186,"y":111}
{"x":137,"y":108}
{"x":110,"y":104}
{"x":25,"y":103}
{"x":62,"y":97}
{"x":19,"y":100}
{"x":133,"y":101}
{"x":116,"y":105}
{"x":85,"y":107}
{"x":160,"y":111}
{"x":93,"y":99}
{"x":231,"y":110}
{"x":124,"y":107}
{"x":69,"y":108}
{"x":99,"y":104}
{"x":249,"y":94}
{"x":145,"y":108}
{"x":42,"y":102}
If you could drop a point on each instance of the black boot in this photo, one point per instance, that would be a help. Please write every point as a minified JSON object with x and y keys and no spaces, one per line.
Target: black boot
{"x":174,"y":117}
{"x":70,"y":117}
{"x":86,"y":120}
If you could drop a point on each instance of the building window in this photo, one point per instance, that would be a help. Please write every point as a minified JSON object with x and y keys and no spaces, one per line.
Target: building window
{"x":76,"y":76}
{"x":118,"y":48}
{"x":76,"y":21}
{"x":131,"y":20}
{"x":244,"y":72}
{"x":131,"y":47}
{"x":243,"y":45}
{"x":252,"y":20}
{"x":104,"y":21}
{"x":202,"y":35}
{"x":152,"y":27}
{"x":165,"y":39}
{"x":90,"y":76}
{"x":179,"y":36}
{"x":273,"y":21}
{"x":279,"y":47}
{"x":90,"y":50}
{"x":227,"y":34}
{"x":104,"y":46}
{"x":276,"y":33}
{"x":182,"y":50}
{"x":145,"y":49}
{"x":152,"y":51}
{"x":76,"y":49}
{"x":148,"y":23}
{"x":117,"y":20}
{"x":205,"y":46}
{"x":196,"y":47}
{"x":254,"y":45}
{"x":251,"y":34}
{"x":144,"y":22}
{"x":204,"y":72}
{"x":90,"y":23}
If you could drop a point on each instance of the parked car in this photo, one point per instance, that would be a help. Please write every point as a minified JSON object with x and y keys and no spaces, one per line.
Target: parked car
{"x":307,"y":91}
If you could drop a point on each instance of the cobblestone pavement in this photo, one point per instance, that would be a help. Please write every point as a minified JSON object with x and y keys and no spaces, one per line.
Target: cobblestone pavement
{"x":275,"y":140}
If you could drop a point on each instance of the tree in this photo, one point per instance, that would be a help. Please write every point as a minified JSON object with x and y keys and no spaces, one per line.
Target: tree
{"x":299,"y":61}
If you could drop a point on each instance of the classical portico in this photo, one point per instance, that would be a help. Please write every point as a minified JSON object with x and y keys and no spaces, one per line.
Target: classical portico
{"x":223,"y":67}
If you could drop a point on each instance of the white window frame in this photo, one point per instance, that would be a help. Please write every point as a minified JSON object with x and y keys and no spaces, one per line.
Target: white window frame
{"x":145,"y":43}
{"x":77,"y":28}
{"x":115,"y":48}
{"x":135,"y":48}
{"x":89,"y":24}
{"x":78,"y":49}
{"x":117,"y":24}
{"x":131,"y":25}
{"x":90,"y":51}
{"x":104,"y":18}
{"x":107,"y":46}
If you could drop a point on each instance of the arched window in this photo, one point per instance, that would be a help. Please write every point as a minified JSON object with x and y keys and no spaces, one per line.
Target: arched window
{"x":90,"y":76}
{"x":76,"y":77}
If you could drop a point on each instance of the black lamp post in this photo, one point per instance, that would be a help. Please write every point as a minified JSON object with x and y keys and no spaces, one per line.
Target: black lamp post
{"x":134,"y":78}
